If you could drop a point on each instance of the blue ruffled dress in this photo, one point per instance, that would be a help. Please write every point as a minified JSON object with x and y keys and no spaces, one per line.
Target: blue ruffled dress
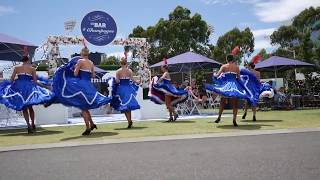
{"x":229,"y":86}
{"x":266,"y":91}
{"x":45,"y":81}
{"x":158,"y":90}
{"x":76,"y":91}
{"x":265,"y":87}
{"x":124,"y":96}
{"x":252,"y":85}
{"x":167,"y":88}
{"x":23,"y":92}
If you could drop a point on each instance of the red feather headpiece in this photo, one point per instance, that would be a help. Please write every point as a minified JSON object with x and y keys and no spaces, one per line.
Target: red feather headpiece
{"x":235,"y":50}
{"x":256,"y":59}
{"x":165,"y":61}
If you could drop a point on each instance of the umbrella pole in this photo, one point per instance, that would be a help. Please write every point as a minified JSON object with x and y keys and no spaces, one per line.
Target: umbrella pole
{"x":190,"y":77}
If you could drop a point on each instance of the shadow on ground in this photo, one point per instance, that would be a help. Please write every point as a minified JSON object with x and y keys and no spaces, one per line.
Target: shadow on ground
{"x":178,"y":121}
{"x":92,"y":135}
{"x":262,"y":120}
{"x":23,"y":132}
{"x":133,"y":128}
{"x":243,"y":127}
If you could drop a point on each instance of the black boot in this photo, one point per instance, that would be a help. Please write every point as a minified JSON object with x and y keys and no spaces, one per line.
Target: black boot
{"x":254,"y":118}
{"x":170,"y":119}
{"x":244,"y":116}
{"x":86,"y":132}
{"x":30,"y":130}
{"x":217,"y":121}
{"x":34,"y":128}
{"x":93,"y":127}
{"x":130,"y":125}
{"x":235,"y":123}
{"x":175,"y":117}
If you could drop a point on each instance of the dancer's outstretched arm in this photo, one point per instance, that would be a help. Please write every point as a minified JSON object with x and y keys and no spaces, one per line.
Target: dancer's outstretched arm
{"x":117,"y":77}
{"x":132,"y":79}
{"x":164,"y":76}
{"x":77,"y":68}
{"x":221,"y":70}
{"x":14,"y":73}
{"x":93,"y":74}
{"x":238,"y":73}
{"x":34,"y":75}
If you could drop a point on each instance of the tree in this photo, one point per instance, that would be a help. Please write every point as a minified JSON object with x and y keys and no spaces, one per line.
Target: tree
{"x":306,"y":48}
{"x":285,"y":36}
{"x":178,"y":34}
{"x":302,"y":37}
{"x":306,"y":19}
{"x":231,"y":39}
{"x":111,"y":60}
{"x":264,"y":55}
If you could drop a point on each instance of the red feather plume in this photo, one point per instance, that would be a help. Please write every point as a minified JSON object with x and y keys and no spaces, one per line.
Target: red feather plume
{"x":256,"y":59}
{"x":235,"y":50}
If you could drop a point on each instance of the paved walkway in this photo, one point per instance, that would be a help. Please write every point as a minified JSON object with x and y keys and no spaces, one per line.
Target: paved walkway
{"x":283,"y":156}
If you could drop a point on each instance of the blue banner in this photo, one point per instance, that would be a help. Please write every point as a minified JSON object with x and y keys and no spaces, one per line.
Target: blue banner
{"x":98,"y":28}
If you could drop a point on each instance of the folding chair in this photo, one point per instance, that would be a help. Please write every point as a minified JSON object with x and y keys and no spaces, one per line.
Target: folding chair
{"x":216,"y":103}
{"x":182,"y":109}
{"x":213,"y":102}
{"x":193,"y":105}
{"x":7,"y":115}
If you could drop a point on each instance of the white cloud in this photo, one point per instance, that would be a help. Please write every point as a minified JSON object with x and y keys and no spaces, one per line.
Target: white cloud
{"x":225,"y":2}
{"x":272,"y":10}
{"x":261,"y":37}
{"x":6,"y":10}
{"x":215,"y":1}
{"x":262,"y":43}
{"x":263,"y":32}
{"x":281,"y":10}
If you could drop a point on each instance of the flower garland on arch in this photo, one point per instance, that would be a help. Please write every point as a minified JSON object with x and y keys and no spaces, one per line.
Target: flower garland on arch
{"x":141,"y":48}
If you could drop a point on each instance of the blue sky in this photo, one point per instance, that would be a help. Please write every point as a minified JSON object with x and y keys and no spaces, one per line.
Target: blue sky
{"x":35,"y":20}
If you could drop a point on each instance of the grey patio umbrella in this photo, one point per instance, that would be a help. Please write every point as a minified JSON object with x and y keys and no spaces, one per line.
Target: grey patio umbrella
{"x":12,"y":49}
{"x":187,"y":62}
{"x":276,"y":63}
